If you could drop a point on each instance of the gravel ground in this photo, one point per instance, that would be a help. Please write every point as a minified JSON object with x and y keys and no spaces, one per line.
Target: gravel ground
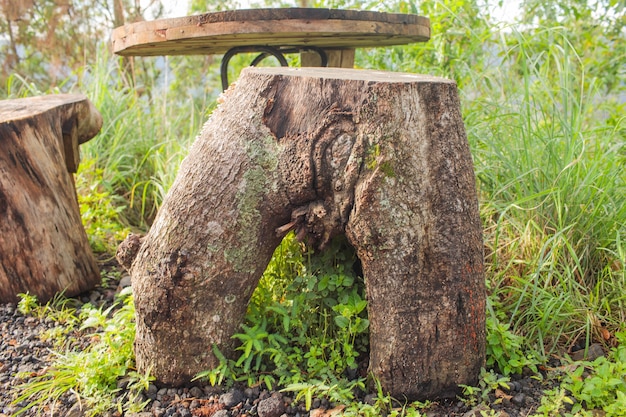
{"x":24,"y":353}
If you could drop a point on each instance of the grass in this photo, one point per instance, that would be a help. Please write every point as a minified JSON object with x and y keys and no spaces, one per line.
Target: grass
{"x":108,"y":353}
{"x":145,"y":134}
{"x":545,"y":120}
{"x":554,"y":205}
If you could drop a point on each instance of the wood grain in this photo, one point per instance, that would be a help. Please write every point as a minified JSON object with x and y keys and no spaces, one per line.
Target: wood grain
{"x":44,"y":249}
{"x":216,"y":33}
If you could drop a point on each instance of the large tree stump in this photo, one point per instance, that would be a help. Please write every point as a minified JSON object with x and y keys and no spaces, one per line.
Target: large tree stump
{"x":381,"y":157}
{"x":43,"y":246}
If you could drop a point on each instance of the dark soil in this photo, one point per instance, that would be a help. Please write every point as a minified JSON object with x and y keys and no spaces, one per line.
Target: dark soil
{"x":24,"y":354}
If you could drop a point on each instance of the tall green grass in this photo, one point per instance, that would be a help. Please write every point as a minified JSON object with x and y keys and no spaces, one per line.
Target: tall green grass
{"x":147,"y":131}
{"x":553,"y":193}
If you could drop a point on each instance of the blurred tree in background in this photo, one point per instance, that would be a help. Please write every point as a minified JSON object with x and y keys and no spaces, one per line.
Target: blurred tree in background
{"x":49,"y":41}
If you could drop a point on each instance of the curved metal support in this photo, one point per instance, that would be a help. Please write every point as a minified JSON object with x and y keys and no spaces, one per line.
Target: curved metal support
{"x":265,"y":51}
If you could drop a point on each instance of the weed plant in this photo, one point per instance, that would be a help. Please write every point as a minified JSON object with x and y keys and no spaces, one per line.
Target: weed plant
{"x":306,"y":321}
{"x":605,"y":387}
{"x":100,"y":210}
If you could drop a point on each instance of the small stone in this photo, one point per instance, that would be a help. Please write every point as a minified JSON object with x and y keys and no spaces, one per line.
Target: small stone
{"x":94,"y":297}
{"x":514,"y":386}
{"x":123,"y":383}
{"x":212,"y":390}
{"x":252,"y":393}
{"x":370,"y":399}
{"x":140,"y":398}
{"x":124,"y":282}
{"x":477,"y":411}
{"x":264,"y":395}
{"x":222,"y":413}
{"x":24,"y":347}
{"x":196,"y":392}
{"x":142,"y":414}
{"x":75,"y":411}
{"x":519,"y":399}
{"x":152,"y":392}
{"x":594,"y":351}
{"x":31,"y":321}
{"x":271,"y":407}
{"x":184,"y":412}
{"x":231,"y":398}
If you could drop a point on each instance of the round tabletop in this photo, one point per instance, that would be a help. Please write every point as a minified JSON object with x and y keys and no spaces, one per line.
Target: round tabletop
{"x":216,"y":33}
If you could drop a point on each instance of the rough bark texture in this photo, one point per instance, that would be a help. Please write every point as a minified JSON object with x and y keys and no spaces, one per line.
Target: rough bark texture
{"x":43,"y":246}
{"x":378,"y":156}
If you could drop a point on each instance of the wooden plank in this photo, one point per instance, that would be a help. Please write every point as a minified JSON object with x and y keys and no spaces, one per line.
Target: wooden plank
{"x":341,"y":58}
{"x":247,"y":15}
{"x":337,"y":58}
{"x":215,"y":33}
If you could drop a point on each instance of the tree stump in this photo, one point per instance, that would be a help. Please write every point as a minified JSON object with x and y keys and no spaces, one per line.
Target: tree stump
{"x":43,"y":246}
{"x":381,"y":157}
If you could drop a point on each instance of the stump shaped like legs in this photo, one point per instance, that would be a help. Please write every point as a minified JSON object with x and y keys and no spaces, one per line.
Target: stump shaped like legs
{"x":381,"y":157}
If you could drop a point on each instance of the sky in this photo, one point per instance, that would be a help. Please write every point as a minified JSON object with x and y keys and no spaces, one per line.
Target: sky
{"x":176,"y":8}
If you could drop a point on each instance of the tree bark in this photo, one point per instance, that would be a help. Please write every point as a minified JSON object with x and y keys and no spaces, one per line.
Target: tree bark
{"x":381,"y":157}
{"x":43,"y":246}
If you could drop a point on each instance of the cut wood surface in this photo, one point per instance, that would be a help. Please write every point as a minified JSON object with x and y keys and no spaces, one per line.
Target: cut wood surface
{"x":380,"y":157}
{"x":43,"y":246}
{"x":216,"y":33}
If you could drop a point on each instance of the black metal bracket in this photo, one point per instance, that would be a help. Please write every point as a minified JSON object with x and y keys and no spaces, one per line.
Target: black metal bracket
{"x":265,"y":52}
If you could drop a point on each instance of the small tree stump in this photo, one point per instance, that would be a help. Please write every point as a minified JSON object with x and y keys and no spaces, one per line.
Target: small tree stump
{"x":43,"y":246}
{"x":381,"y":157}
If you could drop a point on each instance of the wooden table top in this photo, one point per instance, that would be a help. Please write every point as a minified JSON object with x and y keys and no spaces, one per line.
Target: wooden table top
{"x":216,"y":33}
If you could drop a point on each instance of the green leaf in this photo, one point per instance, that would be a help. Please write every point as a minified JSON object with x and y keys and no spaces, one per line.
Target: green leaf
{"x":342,"y":322}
